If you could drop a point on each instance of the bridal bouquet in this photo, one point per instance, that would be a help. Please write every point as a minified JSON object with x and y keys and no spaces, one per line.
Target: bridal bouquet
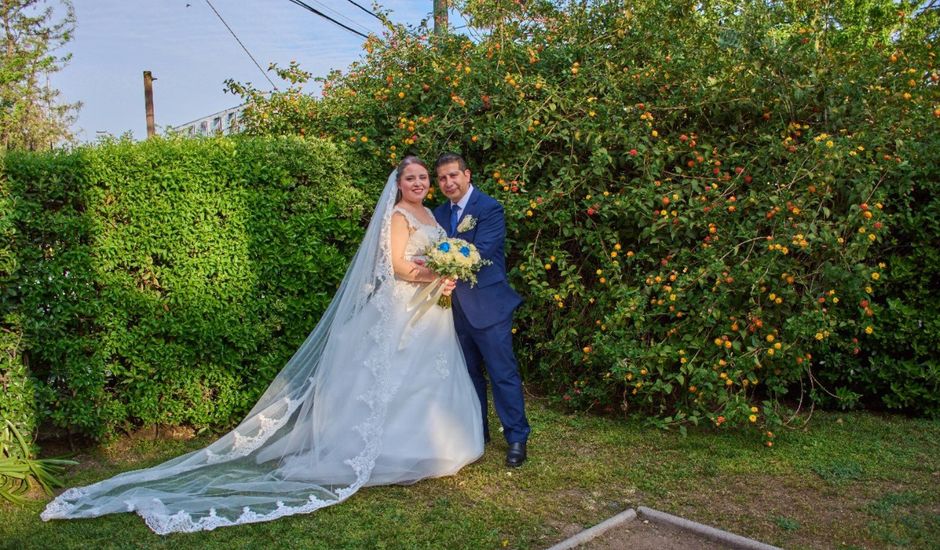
{"x":454,"y":259}
{"x":450,"y":258}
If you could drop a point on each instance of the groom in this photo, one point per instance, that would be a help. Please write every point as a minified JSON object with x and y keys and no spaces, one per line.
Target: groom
{"x":483,"y":313}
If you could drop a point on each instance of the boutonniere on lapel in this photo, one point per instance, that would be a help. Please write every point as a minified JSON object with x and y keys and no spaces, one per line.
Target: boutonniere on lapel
{"x":466,"y":224}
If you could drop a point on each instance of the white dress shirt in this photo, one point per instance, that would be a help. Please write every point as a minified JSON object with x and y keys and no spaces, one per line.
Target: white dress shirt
{"x":462,"y":203}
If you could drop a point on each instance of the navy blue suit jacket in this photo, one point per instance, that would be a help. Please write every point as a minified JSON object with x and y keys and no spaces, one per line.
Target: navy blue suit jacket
{"x":491,"y":300}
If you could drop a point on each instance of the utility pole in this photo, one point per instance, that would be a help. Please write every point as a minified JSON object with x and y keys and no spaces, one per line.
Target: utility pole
{"x":440,"y":16}
{"x":148,"y":102}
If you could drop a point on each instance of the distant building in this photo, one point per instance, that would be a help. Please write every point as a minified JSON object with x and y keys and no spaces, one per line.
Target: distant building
{"x":223,"y":122}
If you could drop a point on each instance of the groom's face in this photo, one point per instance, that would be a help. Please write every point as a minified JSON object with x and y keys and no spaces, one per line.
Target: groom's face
{"x":453,"y":181}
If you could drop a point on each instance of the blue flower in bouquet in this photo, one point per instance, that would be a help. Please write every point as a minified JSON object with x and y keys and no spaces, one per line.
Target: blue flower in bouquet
{"x":465,"y":250}
{"x":444,"y":246}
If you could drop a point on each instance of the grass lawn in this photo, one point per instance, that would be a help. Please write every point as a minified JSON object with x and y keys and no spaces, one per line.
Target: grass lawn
{"x":853,"y":480}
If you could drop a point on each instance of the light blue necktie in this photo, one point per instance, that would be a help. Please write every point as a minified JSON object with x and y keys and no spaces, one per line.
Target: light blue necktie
{"x":454,"y":211}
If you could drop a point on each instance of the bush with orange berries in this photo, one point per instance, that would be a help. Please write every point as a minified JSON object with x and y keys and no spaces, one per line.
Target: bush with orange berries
{"x":708,"y":203}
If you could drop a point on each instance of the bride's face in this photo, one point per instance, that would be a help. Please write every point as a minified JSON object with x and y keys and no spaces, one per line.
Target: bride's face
{"x":414,"y":183}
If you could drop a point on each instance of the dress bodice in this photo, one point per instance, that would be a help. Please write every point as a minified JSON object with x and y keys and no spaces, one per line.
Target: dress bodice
{"x":422,"y":235}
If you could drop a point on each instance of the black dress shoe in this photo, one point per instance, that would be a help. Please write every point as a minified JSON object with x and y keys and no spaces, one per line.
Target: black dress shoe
{"x":515,"y":456}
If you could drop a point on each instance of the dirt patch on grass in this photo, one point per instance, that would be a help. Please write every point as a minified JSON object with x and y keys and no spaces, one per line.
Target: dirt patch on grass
{"x":142,"y":440}
{"x":564,"y":529}
{"x":143,"y":445}
{"x":640,"y":534}
{"x":786,"y":511}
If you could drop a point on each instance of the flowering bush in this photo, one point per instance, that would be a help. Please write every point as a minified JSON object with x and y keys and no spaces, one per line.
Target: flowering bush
{"x":700,"y":196}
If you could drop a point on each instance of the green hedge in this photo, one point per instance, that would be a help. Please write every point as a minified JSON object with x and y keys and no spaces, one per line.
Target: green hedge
{"x":18,"y":398}
{"x":17,"y":388}
{"x":168,"y":281}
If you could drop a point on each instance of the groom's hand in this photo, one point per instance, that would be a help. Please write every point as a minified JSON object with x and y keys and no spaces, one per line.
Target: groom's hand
{"x":449,"y":285}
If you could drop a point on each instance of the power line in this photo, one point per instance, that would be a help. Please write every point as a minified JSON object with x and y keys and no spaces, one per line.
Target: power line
{"x":325,"y":16}
{"x":340,"y":15}
{"x":358,"y":5}
{"x":273,"y":85}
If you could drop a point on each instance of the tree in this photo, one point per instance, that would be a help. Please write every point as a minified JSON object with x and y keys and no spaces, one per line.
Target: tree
{"x":31,"y":33}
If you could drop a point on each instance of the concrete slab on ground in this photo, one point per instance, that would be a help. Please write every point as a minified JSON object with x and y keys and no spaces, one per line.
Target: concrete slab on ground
{"x":645,"y":528}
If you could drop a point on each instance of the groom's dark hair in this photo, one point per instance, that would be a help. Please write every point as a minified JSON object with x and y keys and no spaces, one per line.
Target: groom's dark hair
{"x":448,"y":158}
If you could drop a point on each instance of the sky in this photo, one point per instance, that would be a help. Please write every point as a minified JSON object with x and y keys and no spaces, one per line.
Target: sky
{"x":190,"y":53}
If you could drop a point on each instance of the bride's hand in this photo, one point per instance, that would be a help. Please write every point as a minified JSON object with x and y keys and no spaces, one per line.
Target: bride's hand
{"x":422,"y":274}
{"x":449,"y":286}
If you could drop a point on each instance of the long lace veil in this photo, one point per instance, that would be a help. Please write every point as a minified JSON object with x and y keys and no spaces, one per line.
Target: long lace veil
{"x":283,"y":458}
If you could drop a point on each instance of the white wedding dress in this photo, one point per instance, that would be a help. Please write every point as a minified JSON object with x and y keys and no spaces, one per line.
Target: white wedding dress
{"x":373,"y":396}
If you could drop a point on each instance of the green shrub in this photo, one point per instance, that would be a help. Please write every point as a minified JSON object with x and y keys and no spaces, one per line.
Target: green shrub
{"x":17,"y":398}
{"x":18,"y":391}
{"x":900,"y":367}
{"x":707,"y":202}
{"x":168,"y":281}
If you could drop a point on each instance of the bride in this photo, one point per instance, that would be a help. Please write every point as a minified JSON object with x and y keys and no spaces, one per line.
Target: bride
{"x":377,"y":394}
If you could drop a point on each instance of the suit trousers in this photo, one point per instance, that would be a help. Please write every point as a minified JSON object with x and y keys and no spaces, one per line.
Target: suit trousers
{"x":491,"y":347}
